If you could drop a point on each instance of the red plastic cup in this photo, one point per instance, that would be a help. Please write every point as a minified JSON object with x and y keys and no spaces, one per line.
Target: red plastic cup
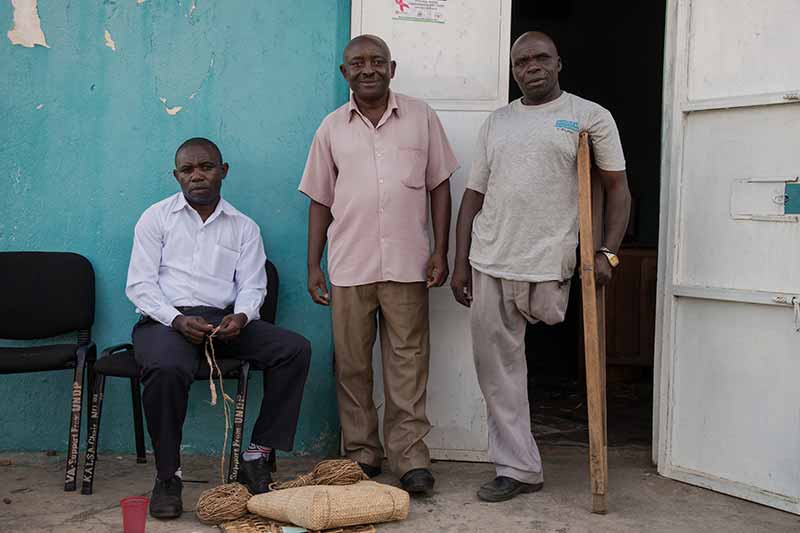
{"x":134,"y":513}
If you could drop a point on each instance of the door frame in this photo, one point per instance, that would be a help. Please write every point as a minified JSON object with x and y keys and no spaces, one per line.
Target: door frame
{"x":677,"y":107}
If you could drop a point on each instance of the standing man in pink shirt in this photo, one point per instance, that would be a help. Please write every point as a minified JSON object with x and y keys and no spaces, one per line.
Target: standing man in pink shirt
{"x":370,"y":169}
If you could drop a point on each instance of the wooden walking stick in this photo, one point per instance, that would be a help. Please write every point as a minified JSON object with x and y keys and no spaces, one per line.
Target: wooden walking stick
{"x":594,"y":332}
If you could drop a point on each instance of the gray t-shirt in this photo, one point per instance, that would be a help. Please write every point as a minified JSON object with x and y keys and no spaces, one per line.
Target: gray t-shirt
{"x":526,"y":166}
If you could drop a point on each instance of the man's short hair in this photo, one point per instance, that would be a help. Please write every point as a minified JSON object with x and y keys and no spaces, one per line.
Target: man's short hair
{"x":535,"y":34}
{"x":367,"y":37}
{"x":199,"y":141}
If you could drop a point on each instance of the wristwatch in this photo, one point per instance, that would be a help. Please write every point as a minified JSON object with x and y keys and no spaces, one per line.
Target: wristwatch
{"x":613,"y":260}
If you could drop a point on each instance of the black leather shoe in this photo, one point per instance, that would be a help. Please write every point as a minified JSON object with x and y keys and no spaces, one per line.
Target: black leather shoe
{"x":256,"y":475}
{"x":504,"y":488}
{"x":418,"y":481}
{"x":165,"y":502}
{"x":369,"y":470}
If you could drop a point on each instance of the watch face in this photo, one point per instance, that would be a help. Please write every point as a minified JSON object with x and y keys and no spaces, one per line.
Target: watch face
{"x":613,"y":260}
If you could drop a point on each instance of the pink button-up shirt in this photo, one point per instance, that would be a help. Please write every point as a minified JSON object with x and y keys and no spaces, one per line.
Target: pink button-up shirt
{"x":376,"y":182}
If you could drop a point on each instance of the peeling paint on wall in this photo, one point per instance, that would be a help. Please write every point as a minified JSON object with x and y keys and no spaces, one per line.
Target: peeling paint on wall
{"x":110,"y":42}
{"x":172,"y":111}
{"x":176,"y":109}
{"x":27,"y":30}
{"x":209,"y":72}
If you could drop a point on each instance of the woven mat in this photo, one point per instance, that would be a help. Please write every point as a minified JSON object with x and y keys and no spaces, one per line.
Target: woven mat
{"x":255,"y":524}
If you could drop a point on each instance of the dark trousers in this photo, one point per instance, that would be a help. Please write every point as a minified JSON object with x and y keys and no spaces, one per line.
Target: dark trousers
{"x":169,"y":362}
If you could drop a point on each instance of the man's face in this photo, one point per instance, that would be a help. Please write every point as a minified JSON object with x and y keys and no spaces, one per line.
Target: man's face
{"x":368,"y":69}
{"x":200,"y":172}
{"x":535,"y":64}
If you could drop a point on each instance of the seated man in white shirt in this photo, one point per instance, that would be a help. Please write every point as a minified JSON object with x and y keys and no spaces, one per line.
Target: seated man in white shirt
{"x":198,"y":263}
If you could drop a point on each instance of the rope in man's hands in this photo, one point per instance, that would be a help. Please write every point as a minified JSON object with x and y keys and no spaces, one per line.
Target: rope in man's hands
{"x":211,"y":359}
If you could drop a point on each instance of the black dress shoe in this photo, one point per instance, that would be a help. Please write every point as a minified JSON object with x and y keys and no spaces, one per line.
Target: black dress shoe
{"x":256,"y":475}
{"x":504,"y":488}
{"x":165,"y":502}
{"x":369,"y":470}
{"x":418,"y":481}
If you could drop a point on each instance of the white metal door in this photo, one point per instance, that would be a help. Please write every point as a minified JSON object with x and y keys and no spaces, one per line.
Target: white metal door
{"x":728,"y":399}
{"x":455,"y":55}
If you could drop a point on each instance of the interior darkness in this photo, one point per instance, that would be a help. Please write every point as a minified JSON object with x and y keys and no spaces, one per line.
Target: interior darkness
{"x":612,"y":54}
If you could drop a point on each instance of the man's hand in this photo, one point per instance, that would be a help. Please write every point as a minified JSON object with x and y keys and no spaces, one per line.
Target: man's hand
{"x":461,"y":283}
{"x":231,"y":326}
{"x":317,"y":287}
{"x":437,"y":270}
{"x":602,"y":269}
{"x":194,"y":328}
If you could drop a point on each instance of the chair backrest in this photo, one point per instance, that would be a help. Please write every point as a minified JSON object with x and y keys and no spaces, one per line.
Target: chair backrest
{"x":270,"y":306}
{"x":45,"y":294}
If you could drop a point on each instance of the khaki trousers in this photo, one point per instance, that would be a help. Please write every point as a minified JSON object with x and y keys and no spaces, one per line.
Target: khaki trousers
{"x":499,"y":313}
{"x":400,"y":311}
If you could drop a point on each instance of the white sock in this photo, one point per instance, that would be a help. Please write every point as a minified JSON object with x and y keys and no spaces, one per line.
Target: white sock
{"x":254,"y":452}
{"x":178,"y":473}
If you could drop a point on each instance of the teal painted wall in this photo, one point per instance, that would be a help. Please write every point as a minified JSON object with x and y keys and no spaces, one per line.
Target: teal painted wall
{"x":78,"y":171}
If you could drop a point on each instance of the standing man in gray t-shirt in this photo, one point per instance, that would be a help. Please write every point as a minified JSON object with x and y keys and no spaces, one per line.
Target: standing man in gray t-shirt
{"x":516,"y":239}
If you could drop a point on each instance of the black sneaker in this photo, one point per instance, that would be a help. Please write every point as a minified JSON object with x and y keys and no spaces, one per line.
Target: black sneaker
{"x":256,"y":475}
{"x":418,"y":481}
{"x":369,"y":470}
{"x":165,"y":502}
{"x":504,"y":488}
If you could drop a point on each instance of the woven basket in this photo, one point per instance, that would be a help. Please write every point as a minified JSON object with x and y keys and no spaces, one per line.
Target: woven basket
{"x":325,"y":507}
{"x":251,"y":524}
{"x":255,"y":524}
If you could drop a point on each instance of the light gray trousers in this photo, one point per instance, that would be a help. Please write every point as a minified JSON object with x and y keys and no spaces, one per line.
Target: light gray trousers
{"x":499,"y":314}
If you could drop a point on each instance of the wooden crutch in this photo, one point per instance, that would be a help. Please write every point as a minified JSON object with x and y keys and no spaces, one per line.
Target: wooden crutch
{"x":594,"y":331}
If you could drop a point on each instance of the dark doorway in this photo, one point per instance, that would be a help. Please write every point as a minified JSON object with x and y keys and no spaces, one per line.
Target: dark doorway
{"x":612,"y":54}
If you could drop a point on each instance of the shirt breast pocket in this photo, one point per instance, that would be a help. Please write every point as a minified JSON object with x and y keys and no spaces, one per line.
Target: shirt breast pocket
{"x":222,"y":263}
{"x":565,"y":142}
{"x":412,"y":163}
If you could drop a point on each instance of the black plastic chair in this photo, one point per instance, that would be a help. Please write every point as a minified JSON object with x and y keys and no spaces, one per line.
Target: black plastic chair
{"x":49,"y":294}
{"x":119,"y":361}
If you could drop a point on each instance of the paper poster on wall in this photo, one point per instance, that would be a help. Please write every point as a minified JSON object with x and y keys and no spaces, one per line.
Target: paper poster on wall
{"x":420,"y":10}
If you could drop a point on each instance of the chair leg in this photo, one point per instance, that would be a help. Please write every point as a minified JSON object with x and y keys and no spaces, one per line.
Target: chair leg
{"x":138,"y":426}
{"x":90,"y":376}
{"x":73,"y":442}
{"x":95,"y":411}
{"x":238,"y":423}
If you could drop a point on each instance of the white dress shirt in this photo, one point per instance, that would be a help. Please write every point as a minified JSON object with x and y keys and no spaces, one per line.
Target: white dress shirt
{"x":179,"y":260}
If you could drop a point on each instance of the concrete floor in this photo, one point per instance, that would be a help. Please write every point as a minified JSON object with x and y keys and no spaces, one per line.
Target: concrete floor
{"x":640,"y":500}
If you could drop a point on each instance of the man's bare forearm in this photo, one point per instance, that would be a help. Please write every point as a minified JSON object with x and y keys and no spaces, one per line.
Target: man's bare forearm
{"x":617,"y":208}
{"x":441,"y":208}
{"x":471,"y":205}
{"x":319,"y":218}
